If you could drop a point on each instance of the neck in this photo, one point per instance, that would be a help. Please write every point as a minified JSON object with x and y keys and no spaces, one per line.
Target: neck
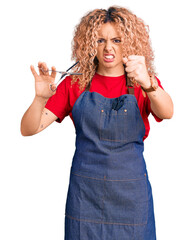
{"x":111,"y":72}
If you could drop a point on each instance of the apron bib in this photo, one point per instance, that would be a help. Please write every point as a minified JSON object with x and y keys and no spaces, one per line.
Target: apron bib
{"x":109,"y":195}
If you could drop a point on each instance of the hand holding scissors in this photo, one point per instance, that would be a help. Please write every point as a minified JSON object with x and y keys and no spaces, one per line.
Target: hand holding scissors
{"x":44,"y":79}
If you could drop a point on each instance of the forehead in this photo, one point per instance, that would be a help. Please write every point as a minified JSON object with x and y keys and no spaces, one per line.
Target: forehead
{"x":109,"y":30}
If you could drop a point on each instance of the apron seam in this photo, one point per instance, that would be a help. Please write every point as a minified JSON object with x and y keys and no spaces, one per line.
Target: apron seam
{"x":103,"y":222}
{"x":112,"y":180}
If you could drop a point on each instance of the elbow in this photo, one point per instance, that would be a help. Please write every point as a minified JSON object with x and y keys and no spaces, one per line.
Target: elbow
{"x":24,"y":132}
{"x":170,"y":110}
{"x":25,"y":135}
{"x":164,"y":112}
{"x":169,"y":114}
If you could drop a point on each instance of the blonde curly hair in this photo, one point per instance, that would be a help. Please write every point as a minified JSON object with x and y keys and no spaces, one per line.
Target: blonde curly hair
{"x":135,"y":40}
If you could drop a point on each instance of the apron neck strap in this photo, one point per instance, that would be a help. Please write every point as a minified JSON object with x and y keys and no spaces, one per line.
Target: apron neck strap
{"x":88,"y":86}
{"x":130,"y":90}
{"x":128,"y":84}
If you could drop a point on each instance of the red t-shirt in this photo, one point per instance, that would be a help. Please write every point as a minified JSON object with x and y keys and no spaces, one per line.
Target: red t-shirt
{"x":61,"y":103}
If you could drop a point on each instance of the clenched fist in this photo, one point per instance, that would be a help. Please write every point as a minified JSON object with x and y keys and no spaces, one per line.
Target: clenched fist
{"x":136,"y":68}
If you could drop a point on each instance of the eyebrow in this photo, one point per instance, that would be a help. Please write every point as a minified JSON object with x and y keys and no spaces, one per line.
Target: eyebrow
{"x":111,"y":38}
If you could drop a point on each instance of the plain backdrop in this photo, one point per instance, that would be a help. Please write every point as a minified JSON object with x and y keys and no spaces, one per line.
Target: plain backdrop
{"x":34,"y":171}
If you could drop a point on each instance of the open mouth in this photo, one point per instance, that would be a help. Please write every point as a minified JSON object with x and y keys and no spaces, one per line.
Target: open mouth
{"x":109,"y":57}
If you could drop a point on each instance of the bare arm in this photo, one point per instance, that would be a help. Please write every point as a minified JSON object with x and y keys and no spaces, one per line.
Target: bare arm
{"x":161,"y":103}
{"x":37,"y":117}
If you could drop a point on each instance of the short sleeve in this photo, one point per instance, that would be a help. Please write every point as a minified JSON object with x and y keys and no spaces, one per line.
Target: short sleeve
{"x":59,"y":102}
{"x":148,"y":105}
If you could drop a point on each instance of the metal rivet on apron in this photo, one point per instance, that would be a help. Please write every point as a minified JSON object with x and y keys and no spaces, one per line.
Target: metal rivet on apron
{"x":125,"y":110}
{"x":144,"y":174}
{"x":102,"y":110}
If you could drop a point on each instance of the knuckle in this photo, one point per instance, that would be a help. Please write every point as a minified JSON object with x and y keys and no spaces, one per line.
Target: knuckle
{"x":127,"y":63}
{"x":143,"y":59}
{"x":138,"y":71}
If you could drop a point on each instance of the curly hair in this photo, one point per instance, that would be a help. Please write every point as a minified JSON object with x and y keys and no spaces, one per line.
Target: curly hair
{"x":135,"y":40}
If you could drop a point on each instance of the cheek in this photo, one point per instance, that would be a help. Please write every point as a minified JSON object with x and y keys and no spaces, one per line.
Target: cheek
{"x":120,"y":52}
{"x":99,"y":52}
{"x":121,"y":49}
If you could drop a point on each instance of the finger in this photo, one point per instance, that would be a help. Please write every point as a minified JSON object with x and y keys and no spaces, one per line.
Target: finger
{"x":133,"y":57}
{"x":131,"y":75}
{"x":131,"y":63}
{"x":125,"y":60}
{"x":138,"y":59}
{"x":131,"y":68}
{"x":40,"y":67}
{"x":133,"y":81}
{"x":130,"y":58}
{"x":45,"y":69}
{"x":33,"y":71}
{"x":53,"y":73}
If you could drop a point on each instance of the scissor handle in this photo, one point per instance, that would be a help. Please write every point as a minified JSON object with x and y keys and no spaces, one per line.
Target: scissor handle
{"x":53,"y":90}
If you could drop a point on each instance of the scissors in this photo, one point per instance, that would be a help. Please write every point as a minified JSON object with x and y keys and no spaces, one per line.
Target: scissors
{"x":63,"y":75}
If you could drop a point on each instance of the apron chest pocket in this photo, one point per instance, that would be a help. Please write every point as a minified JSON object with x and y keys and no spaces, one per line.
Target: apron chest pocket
{"x":116,"y":125}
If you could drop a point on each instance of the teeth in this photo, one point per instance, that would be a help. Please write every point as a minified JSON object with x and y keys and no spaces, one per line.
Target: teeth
{"x":109,"y":56}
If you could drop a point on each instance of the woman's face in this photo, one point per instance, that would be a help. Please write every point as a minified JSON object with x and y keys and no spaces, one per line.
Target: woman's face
{"x":109,"y":51}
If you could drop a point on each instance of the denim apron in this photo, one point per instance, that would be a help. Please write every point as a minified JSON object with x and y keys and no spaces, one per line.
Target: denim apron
{"x":109,"y":195}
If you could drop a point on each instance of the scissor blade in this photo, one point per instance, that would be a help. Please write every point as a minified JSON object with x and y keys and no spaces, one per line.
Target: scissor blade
{"x":74,"y":73}
{"x":72,"y":66}
{"x":69,"y":73}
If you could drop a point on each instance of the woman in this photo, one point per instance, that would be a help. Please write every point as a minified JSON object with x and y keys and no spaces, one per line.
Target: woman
{"x":109,"y":195}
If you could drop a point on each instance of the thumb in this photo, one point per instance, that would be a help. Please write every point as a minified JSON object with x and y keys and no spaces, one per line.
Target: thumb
{"x":125,"y":60}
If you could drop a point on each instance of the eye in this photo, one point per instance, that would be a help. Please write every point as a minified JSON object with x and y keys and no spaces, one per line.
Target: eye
{"x":116,"y":40}
{"x":100,"y":41}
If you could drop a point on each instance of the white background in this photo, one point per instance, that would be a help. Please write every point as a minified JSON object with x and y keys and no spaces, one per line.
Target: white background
{"x":34,"y":171}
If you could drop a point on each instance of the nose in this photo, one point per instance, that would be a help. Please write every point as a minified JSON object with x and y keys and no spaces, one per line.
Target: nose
{"x":108,"y":46}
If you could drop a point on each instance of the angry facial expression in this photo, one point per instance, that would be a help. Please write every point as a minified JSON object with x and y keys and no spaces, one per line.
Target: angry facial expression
{"x":109,"y":50}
